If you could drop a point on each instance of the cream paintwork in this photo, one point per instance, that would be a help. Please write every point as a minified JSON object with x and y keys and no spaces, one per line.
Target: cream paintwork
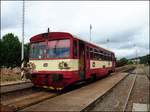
{"x":99,"y":64}
{"x":53,"y":65}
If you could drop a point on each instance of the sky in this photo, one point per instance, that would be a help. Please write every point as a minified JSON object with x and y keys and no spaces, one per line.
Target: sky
{"x":124,"y":23}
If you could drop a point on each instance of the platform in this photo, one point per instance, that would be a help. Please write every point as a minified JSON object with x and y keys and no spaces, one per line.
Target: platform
{"x":14,"y":86}
{"x":79,"y":99}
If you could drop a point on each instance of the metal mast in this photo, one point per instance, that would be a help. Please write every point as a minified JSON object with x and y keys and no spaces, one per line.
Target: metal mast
{"x":23,"y":13}
{"x":135,"y":54}
{"x":90,"y":31}
{"x":107,"y":42}
{"x":22,"y":47}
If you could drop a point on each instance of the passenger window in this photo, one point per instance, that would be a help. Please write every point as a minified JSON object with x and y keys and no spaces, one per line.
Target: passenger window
{"x":87,"y":52}
{"x":91,"y":55}
{"x":75,"y":49}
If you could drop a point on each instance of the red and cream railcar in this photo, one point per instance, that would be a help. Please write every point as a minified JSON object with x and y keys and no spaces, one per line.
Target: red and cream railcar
{"x":60,"y":59}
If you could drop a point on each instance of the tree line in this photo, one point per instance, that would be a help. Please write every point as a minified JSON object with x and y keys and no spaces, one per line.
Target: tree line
{"x":142,"y":60}
{"x":10,"y":51}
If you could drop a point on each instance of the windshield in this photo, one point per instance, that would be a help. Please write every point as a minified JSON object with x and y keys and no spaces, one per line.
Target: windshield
{"x":58,"y":48}
{"x":52,"y":49}
{"x":38,"y":50}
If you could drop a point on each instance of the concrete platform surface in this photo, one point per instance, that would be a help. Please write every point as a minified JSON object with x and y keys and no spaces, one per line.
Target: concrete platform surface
{"x":79,"y":99}
{"x":15,"y":86}
{"x":14,"y":82}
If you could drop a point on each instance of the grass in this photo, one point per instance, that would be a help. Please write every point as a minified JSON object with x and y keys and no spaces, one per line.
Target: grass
{"x":9,"y":77}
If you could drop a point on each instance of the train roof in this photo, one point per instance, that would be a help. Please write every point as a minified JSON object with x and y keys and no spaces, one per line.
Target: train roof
{"x":42,"y":36}
{"x":39,"y":37}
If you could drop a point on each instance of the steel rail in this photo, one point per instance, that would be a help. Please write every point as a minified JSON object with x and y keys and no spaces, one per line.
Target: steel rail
{"x":126,"y":102}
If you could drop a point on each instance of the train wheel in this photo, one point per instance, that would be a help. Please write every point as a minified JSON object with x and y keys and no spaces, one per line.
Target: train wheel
{"x":109,"y":72}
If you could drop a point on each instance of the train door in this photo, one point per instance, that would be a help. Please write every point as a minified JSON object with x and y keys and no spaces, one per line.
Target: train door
{"x":113,"y":62}
{"x":81,"y":60}
{"x":87,"y":62}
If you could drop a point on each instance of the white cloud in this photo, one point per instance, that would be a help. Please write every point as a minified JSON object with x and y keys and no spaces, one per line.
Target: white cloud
{"x":120,"y":21}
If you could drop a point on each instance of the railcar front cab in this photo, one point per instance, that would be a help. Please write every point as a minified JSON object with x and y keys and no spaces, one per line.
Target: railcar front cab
{"x":52,"y":60}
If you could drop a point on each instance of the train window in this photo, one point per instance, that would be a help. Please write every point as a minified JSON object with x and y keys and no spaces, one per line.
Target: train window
{"x":112,"y":57}
{"x":87,"y":52}
{"x":91,"y":55}
{"x":109,"y":58}
{"x":105,"y":57}
{"x":75,"y":49}
{"x":100,"y":57}
{"x":38,"y":50}
{"x":58,"y":48}
{"x":91,"y":50}
{"x":95,"y":56}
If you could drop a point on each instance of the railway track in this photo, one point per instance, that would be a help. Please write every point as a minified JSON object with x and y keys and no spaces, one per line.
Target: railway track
{"x":130,"y":90}
{"x":16,"y":96}
{"x":34,"y":97}
{"x":29,"y":99}
{"x":20,"y":103}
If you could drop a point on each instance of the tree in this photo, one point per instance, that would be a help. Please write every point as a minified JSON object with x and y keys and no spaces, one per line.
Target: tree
{"x":130,"y":62}
{"x":122,"y":62}
{"x":10,"y":48}
{"x":145,"y":59}
{"x":1,"y":52}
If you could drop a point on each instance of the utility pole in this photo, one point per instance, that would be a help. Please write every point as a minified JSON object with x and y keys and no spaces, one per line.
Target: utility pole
{"x":135,"y":54}
{"x":23,"y":13}
{"x":107,"y":42}
{"x":22,"y":47}
{"x":90,"y":31}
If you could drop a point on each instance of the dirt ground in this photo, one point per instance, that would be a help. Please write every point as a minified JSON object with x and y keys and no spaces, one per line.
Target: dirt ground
{"x":9,"y":74}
